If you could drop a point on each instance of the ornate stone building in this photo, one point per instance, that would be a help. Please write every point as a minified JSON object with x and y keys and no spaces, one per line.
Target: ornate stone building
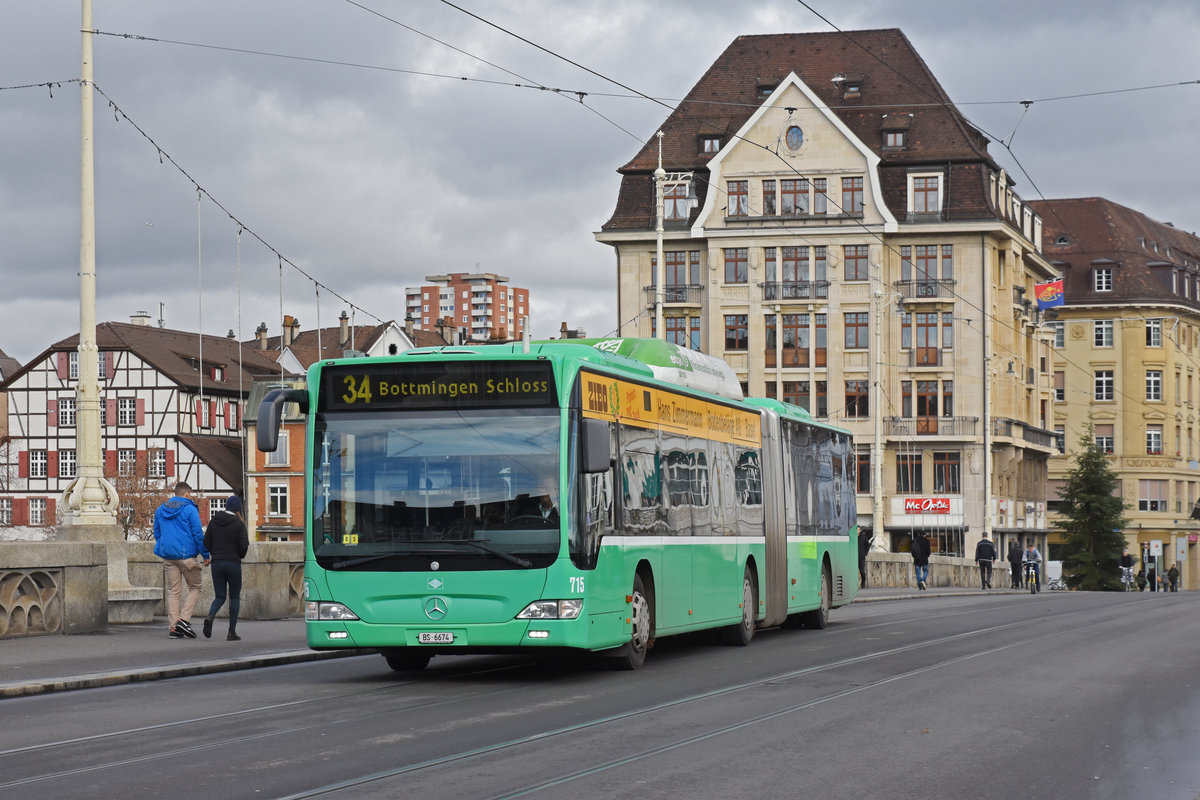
{"x":837,"y":231}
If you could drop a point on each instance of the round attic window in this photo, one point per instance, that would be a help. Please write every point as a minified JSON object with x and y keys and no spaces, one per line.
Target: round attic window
{"x":793,"y":137}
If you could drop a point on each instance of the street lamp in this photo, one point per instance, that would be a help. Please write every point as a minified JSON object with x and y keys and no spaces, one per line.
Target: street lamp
{"x":661,"y":179}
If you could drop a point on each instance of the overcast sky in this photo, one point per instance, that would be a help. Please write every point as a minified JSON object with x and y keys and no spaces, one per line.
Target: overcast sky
{"x":370,"y":177}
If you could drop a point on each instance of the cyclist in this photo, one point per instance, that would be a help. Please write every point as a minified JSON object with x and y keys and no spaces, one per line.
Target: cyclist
{"x":1127,"y":564}
{"x":1032,"y":560}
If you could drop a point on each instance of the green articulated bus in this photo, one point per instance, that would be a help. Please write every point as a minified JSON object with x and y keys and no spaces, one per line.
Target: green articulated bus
{"x":577,"y":495}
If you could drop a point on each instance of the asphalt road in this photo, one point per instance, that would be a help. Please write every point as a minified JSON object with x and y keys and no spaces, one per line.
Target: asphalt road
{"x":1058,"y":695}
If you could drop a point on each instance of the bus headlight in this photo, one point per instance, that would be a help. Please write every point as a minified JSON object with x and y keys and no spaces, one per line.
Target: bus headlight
{"x":319,"y":611}
{"x":552,"y":609}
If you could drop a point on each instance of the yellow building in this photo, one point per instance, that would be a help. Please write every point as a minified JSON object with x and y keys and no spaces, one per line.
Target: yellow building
{"x":851,"y":247}
{"x":1127,"y":358}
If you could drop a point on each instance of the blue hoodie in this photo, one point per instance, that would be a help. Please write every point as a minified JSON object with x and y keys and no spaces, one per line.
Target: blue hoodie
{"x":177,"y":531}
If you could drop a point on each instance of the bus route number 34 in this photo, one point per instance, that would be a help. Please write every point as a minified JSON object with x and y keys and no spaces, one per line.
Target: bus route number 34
{"x":357,"y":389}
{"x":577,"y":584}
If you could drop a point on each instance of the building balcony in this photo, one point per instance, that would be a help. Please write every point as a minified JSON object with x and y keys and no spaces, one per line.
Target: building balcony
{"x":927,"y":357}
{"x":932,"y":426}
{"x":774,"y":291}
{"x":680,"y":295}
{"x":1015,"y":429}
{"x":925,"y":290}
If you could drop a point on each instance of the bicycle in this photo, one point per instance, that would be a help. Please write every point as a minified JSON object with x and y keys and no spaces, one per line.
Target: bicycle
{"x":1127,"y":578}
{"x":1031,"y":576}
{"x":1056,"y":584}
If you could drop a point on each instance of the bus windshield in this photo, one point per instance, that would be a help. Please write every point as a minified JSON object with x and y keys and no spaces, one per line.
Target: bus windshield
{"x":471,"y":490}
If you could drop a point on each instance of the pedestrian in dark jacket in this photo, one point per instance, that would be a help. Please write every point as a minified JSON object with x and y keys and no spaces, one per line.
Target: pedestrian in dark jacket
{"x":920,"y":555}
{"x":985,"y":554}
{"x":1015,"y":554}
{"x":864,"y":547}
{"x":1173,"y":578}
{"x":227,"y":540}
{"x":179,"y":542}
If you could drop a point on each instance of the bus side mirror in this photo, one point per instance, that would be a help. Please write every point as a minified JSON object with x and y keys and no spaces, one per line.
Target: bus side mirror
{"x":594,"y":453}
{"x":270,"y":415}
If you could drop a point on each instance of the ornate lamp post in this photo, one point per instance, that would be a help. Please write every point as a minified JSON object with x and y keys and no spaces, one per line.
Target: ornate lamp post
{"x":661,"y":179}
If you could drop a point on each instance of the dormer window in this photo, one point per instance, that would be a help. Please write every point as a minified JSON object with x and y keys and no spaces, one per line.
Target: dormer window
{"x":894,"y":139}
{"x":710,"y":144}
{"x":218,"y":373}
{"x":763,"y":90}
{"x":852,"y":88}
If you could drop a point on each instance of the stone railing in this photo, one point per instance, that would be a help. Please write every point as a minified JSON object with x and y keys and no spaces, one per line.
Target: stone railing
{"x":892,"y":570}
{"x":63,"y":587}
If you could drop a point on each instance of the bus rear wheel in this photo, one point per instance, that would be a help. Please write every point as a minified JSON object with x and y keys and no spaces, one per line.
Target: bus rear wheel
{"x":402,"y":661}
{"x":819,"y":617}
{"x":641,"y":614}
{"x":741,"y":634}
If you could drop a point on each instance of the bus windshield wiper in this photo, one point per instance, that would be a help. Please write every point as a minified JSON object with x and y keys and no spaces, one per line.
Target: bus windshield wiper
{"x":520,"y":562}
{"x":353,"y":562}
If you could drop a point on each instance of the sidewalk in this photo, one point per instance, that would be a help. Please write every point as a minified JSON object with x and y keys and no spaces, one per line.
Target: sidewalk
{"x":134,"y":653}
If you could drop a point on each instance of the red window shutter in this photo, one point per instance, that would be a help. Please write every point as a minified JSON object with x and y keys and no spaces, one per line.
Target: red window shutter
{"x":228,"y":415}
{"x":64,"y":366}
{"x":23,"y":464}
{"x":52,"y":412}
{"x":199,"y":415}
{"x":212,"y":413}
{"x":109,"y":369}
{"x":170,"y":463}
{"x":52,"y":464}
{"x":141,"y":411}
{"x":140,"y":455}
{"x":110,"y":463}
{"x":50,"y":515}
{"x":20,"y":511}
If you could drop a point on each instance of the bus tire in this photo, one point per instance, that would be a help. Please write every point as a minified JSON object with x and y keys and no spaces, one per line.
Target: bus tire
{"x":818,"y":618}
{"x":742,"y":633}
{"x":401,"y":661}
{"x":633,"y":653}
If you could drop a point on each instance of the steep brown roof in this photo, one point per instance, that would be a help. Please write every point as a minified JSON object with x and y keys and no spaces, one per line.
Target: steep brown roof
{"x":177,"y":355}
{"x":223,"y":454}
{"x":305,"y":346}
{"x":1081,"y":234}
{"x":894,"y":81}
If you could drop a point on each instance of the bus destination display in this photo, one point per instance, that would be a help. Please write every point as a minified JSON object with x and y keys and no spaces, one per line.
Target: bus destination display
{"x":414,"y":386}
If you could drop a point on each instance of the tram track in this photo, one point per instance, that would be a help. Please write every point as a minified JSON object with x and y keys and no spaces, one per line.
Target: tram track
{"x":346,"y":700}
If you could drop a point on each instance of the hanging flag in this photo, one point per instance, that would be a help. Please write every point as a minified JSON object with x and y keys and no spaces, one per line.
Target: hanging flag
{"x":1049,"y":294}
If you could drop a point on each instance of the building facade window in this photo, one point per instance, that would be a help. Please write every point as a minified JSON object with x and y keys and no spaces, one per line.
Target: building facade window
{"x":1154,"y":333}
{"x":821,"y":398}
{"x":37,"y":463}
{"x":157,"y":466}
{"x":857,"y":400}
{"x":1154,"y":440}
{"x":126,"y":461}
{"x":863,"y":473}
{"x":947,"y":473}
{"x":5,"y":511}
{"x":1154,"y":383}
{"x":279,"y":458}
{"x":857,"y":330}
{"x":710,"y":144}
{"x":736,"y":332}
{"x":675,"y":201}
{"x":768,"y":188}
{"x":852,"y":195}
{"x":793,"y":193}
{"x":215,"y":504}
{"x":1152,"y":495}
{"x":1102,"y":333}
{"x":73,"y":364}
{"x":1103,"y":385}
{"x":738,"y":199}
{"x":854,"y":263}
{"x":1060,"y":386}
{"x":37,"y":511}
{"x":66,"y":412}
{"x":908,"y":473}
{"x":925,"y":193}
{"x":1105,"y":439}
{"x":277,"y":500}
{"x":126,"y":411}
{"x":1102,"y":280}
{"x":1060,"y":334}
{"x":736,"y":265}
{"x":66,"y":463}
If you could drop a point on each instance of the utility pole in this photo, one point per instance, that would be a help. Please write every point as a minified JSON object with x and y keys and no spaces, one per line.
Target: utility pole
{"x":660,"y":269}
{"x":90,"y":500}
{"x":881,"y":301}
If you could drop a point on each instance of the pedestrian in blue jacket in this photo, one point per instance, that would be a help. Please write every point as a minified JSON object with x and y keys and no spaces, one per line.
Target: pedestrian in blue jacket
{"x":179,"y":542}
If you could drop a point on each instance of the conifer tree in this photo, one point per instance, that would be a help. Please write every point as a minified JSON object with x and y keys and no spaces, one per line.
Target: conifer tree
{"x":1092,"y":519}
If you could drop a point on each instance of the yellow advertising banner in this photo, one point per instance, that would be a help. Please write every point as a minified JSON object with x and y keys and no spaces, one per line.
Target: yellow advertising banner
{"x":615,"y":400}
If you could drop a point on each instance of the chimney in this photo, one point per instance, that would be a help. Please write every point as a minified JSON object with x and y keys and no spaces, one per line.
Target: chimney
{"x":291,"y":328}
{"x":563,"y":333}
{"x":344,"y":336}
{"x":446,"y":329}
{"x":408,"y":326}
{"x":140,"y":318}
{"x":260,"y":333}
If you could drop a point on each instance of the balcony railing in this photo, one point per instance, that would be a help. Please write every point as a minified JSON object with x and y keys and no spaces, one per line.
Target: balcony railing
{"x":932,"y":426}
{"x":1015,"y":429}
{"x":934,"y":289}
{"x":690,"y":294}
{"x":925,"y":357}
{"x":795,"y":290}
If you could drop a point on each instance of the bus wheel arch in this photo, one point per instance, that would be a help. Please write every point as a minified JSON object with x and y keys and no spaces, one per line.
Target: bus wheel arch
{"x":742,"y":633}
{"x":632,"y":654}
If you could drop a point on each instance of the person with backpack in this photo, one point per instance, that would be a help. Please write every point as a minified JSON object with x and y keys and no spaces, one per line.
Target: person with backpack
{"x":1015,"y":554}
{"x":985,"y":554}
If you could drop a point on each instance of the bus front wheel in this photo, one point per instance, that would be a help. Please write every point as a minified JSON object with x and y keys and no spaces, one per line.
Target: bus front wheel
{"x":819,"y":617}
{"x":401,"y":661}
{"x":641,"y":615}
